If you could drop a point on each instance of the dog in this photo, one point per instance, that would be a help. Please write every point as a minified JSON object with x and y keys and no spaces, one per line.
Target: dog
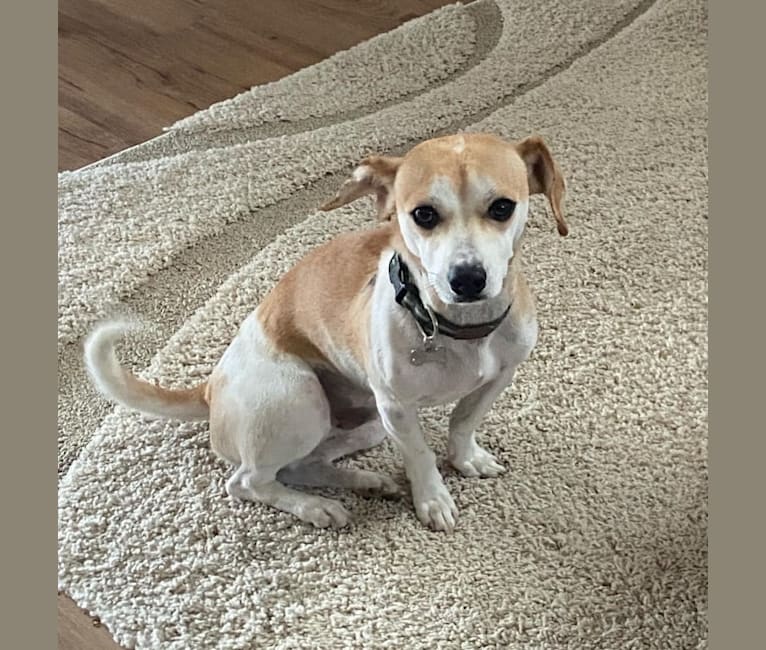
{"x":428,"y":307}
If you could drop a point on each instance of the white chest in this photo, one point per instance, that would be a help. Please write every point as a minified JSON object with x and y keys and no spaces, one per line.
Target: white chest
{"x":455,"y":370}
{"x":459,"y":369}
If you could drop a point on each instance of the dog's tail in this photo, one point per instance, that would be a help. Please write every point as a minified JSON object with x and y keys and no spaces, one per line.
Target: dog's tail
{"x":124,"y":387}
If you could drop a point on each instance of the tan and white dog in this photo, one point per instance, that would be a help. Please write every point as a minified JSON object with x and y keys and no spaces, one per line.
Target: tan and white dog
{"x":428,"y":308}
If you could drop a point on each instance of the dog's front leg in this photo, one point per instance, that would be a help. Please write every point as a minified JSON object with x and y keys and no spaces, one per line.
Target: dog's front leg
{"x":433,"y":503}
{"x":465,"y":454}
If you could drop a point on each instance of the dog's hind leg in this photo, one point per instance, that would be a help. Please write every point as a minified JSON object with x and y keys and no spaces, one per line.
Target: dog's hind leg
{"x":319,"y":473}
{"x":262,"y":486}
{"x":343,"y":442}
{"x":317,"y":469}
{"x":263,"y":426}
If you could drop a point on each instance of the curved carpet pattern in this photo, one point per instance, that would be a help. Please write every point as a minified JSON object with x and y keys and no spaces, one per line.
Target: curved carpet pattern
{"x":596,"y":537}
{"x":400,"y":63}
{"x":107,"y":248}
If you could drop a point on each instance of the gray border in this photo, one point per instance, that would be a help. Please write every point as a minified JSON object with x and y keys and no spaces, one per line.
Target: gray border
{"x":28,"y":60}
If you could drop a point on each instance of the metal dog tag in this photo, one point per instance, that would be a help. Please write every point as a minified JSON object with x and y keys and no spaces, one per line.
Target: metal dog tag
{"x":428,"y":353}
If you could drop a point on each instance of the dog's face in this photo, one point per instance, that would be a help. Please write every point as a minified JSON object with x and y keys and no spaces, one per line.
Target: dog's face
{"x":461,"y":203}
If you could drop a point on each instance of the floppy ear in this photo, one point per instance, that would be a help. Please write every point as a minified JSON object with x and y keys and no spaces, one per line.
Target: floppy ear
{"x":544,"y":176}
{"x":374,"y":175}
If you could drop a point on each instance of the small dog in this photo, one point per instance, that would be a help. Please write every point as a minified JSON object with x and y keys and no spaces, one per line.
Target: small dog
{"x":427,"y":308}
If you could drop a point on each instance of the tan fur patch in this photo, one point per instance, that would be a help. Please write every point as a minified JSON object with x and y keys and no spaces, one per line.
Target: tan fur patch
{"x":323,"y":303}
{"x":523,"y":308}
{"x":222,"y":441}
{"x":196,"y":395}
{"x":484,"y":155}
{"x":544,"y":177}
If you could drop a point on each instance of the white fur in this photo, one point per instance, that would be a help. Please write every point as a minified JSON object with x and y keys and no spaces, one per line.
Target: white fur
{"x":274,"y":417}
{"x":362,"y":173}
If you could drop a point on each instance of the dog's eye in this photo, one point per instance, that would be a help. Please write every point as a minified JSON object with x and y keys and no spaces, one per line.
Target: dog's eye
{"x":501,"y":209}
{"x":425,"y":216}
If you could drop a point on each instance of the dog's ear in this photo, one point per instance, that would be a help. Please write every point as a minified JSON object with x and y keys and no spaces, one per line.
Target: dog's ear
{"x":544,"y":176}
{"x":374,"y":175}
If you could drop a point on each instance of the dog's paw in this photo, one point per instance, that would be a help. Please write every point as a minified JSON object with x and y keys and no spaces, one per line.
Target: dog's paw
{"x":436,"y":508}
{"x":373,"y":483}
{"x":477,"y":462}
{"x":323,"y":513}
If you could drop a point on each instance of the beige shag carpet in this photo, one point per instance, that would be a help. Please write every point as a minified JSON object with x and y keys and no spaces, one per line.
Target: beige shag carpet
{"x":596,"y":537}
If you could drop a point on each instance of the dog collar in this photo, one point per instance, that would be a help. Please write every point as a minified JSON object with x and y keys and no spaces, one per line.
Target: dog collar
{"x":408,"y":296}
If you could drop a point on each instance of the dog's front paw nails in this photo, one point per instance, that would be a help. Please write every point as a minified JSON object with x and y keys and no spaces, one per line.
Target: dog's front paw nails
{"x":478,"y":462}
{"x":436,"y":509}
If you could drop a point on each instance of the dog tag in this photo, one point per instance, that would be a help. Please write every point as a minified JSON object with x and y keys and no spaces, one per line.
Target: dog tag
{"x":429,"y":353}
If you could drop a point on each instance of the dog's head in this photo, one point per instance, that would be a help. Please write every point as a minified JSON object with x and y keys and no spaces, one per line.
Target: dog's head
{"x":461,"y":204}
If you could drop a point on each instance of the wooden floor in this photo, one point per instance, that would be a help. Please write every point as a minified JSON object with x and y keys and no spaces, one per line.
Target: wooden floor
{"x":127,"y":68}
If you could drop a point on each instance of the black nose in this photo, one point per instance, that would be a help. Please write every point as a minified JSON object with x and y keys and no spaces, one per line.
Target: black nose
{"x":467,"y":280}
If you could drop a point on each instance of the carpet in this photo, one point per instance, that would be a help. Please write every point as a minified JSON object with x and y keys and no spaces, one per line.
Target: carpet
{"x":596,"y":537}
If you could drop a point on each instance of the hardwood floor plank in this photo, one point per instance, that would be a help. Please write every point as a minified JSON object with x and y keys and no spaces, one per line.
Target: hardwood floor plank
{"x":132,"y":67}
{"x":158,"y":17}
{"x":77,"y":631}
{"x":79,"y":136}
